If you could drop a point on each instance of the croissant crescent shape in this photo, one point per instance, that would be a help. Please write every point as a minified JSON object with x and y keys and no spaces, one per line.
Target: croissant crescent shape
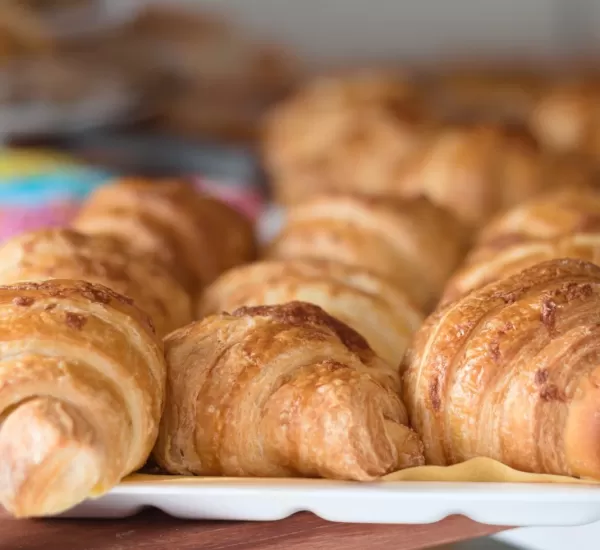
{"x":276,"y":391}
{"x":413,"y":243}
{"x":198,"y":236}
{"x":561,"y":224}
{"x":511,"y":372}
{"x":68,"y":254}
{"x":81,"y":393}
{"x":344,"y":133}
{"x":369,"y":304}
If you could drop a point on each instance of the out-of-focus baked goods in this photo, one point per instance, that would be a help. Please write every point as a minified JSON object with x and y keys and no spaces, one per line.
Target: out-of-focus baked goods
{"x":281,"y":391}
{"x":413,"y":243}
{"x":560,"y":224}
{"x":342,"y":133}
{"x":510,"y":372}
{"x":475,"y":170}
{"x":196,"y":236}
{"x":567,"y":118}
{"x":368,"y":303}
{"x":81,"y":393}
{"x":68,"y":254}
{"x":496,"y":93}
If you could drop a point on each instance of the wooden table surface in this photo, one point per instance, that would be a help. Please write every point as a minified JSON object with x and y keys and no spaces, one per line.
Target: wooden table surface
{"x":153,"y":530}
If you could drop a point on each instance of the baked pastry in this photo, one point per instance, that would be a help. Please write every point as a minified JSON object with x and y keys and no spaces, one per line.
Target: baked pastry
{"x":371,"y":305}
{"x":498,"y":93}
{"x":566,"y":119}
{"x":412,"y":242}
{"x":475,"y":171}
{"x":281,"y":391}
{"x":510,"y":372}
{"x":347,"y":133}
{"x":81,"y":393}
{"x":560,"y":224}
{"x":197,"y":236}
{"x":68,"y":254}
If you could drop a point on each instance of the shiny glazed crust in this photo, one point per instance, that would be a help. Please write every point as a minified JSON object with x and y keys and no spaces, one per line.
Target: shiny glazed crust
{"x":511,"y":372}
{"x":279,"y":391}
{"x":371,"y":305}
{"x":81,"y":393}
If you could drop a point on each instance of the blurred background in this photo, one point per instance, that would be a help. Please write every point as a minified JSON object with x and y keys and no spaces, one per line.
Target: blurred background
{"x":91,"y":89}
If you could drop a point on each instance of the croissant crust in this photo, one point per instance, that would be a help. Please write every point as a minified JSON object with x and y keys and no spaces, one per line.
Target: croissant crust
{"x":276,"y":391}
{"x":511,"y":372}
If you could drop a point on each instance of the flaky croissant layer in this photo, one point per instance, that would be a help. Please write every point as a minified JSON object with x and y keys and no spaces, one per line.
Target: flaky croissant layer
{"x":279,"y":391}
{"x":82,"y":382}
{"x":512,"y":372}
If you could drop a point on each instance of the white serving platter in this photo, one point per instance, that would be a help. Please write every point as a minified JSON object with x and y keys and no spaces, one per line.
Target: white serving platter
{"x":511,"y":504}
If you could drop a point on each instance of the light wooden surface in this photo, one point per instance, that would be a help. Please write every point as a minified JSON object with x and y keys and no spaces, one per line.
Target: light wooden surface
{"x":153,"y":530}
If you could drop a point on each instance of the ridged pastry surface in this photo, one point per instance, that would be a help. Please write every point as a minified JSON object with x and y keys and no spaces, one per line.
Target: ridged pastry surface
{"x":69,"y":254}
{"x":368,"y":303}
{"x":81,"y":393}
{"x":279,"y":391}
{"x":198,"y":236}
{"x":511,"y":372}
{"x":560,"y":224}
{"x":411,"y":242}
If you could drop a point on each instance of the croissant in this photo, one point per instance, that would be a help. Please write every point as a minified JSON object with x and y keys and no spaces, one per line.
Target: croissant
{"x":81,"y":393}
{"x":475,"y":171}
{"x":561,"y":224}
{"x":281,"y":391}
{"x":344,"y":133}
{"x":566,"y":118}
{"x":68,"y":254}
{"x":500,"y":93}
{"x":510,"y":372}
{"x":412,"y":242}
{"x":369,"y":304}
{"x":198,"y":237}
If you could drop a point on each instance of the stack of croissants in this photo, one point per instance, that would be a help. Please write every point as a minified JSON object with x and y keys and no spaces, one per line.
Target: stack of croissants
{"x":432,"y":297}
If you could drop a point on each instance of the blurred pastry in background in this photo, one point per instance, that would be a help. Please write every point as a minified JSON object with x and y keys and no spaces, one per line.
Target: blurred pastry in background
{"x":475,"y":170}
{"x":496,"y":93}
{"x":196,"y":236}
{"x":567,"y":118}
{"x":201,"y":76}
{"x":561,"y":224}
{"x":347,"y":133}
{"x":413,"y":243}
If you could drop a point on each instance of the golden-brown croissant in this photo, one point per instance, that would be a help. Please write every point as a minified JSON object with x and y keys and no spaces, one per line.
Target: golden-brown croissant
{"x":412,"y":242}
{"x":369,"y":304}
{"x":475,"y":171}
{"x":279,"y":391}
{"x":81,"y":393}
{"x":561,"y":224}
{"x":68,"y":254}
{"x":346,"y":133}
{"x":566,"y":119}
{"x":510,"y":372}
{"x":197,"y":236}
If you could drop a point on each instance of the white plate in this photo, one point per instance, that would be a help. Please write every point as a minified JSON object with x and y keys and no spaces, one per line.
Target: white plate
{"x":385,"y":502}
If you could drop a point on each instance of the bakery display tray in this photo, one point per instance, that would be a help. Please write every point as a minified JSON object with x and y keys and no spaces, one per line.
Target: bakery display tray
{"x":514,"y":504}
